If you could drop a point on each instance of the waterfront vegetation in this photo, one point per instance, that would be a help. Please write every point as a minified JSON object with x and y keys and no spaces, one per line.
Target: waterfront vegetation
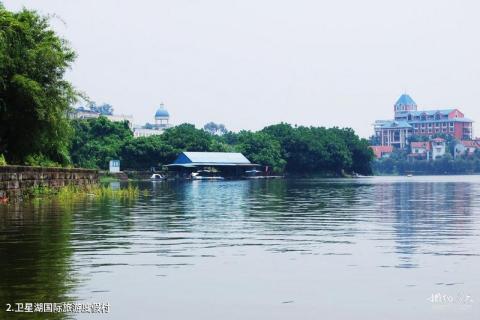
{"x":281,"y":147}
{"x":72,"y":192}
{"x":107,"y":177}
{"x":400,"y":164}
{"x":97,"y":141}
{"x":35,"y":100}
{"x":34,"y":96}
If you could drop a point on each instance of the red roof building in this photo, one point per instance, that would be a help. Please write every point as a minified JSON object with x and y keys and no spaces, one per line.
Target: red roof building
{"x":409,"y":121}
{"x":381,"y":151}
{"x":433,"y":149}
{"x":424,"y":145}
{"x":420,"y":149}
{"x":470,"y":144}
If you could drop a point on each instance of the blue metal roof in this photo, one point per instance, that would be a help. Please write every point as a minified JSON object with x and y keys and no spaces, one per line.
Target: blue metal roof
{"x":405,"y":100}
{"x":162,"y":112}
{"x":223,"y":158}
{"x":429,"y":112}
{"x":442,"y":120}
{"x":395,"y":124}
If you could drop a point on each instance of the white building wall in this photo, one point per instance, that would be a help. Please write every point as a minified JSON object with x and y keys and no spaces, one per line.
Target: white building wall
{"x":438,"y":150}
{"x":120,"y":118}
{"x":141,"y":132}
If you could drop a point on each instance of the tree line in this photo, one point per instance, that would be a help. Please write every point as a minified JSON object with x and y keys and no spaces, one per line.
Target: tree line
{"x":35,"y":101}
{"x":34,"y":96}
{"x":399,"y":164}
{"x":281,"y":147}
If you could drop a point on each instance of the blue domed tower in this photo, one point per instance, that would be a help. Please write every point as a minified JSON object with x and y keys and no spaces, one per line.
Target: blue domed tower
{"x":403,"y":105}
{"x":162,"y":117}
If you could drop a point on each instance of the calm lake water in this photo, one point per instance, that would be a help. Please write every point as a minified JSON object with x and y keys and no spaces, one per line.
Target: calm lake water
{"x":373,"y":248}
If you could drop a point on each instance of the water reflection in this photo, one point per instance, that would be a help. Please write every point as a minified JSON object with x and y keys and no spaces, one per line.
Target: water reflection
{"x":85,"y":251}
{"x":35,"y":256}
{"x":427,"y":215}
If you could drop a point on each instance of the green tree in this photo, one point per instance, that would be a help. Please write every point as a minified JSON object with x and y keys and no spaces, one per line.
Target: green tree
{"x":34,"y":97}
{"x":321,"y":150}
{"x":186,"y":137}
{"x":444,"y":165}
{"x":97,"y":141}
{"x":284,"y":133}
{"x":219,"y":145}
{"x":215,"y":128}
{"x":230,"y":138}
{"x":260,"y":148}
{"x":361,"y":154}
{"x":104,"y":109}
{"x":146,"y":152}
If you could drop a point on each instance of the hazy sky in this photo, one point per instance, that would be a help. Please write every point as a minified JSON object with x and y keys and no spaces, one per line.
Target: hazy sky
{"x":250,"y":63}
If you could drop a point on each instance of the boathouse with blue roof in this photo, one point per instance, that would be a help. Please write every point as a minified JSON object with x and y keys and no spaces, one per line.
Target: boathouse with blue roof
{"x":227,"y":164}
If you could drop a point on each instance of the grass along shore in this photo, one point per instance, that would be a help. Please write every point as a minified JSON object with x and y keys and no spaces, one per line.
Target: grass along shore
{"x":72,"y":192}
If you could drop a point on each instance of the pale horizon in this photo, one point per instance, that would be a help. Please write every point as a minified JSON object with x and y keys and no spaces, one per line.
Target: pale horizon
{"x":251,"y":64}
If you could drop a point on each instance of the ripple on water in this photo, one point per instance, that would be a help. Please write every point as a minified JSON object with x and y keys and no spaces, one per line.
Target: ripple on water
{"x":336,"y":227}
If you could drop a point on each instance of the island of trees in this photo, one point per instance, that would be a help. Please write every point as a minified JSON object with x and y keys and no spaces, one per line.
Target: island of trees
{"x":35,"y":100}
{"x":282,"y":147}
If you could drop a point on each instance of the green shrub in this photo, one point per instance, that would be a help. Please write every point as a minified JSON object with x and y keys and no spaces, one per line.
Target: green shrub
{"x":40,"y":160}
{"x":3,"y":162}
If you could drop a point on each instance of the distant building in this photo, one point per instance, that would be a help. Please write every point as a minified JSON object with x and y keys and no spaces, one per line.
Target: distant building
{"x":162,"y":122}
{"x":420,"y":150}
{"x":143,"y":132}
{"x":228,"y":164}
{"x":438,"y":146}
{"x":120,"y":118}
{"x":82,"y":113}
{"x":466,"y":147}
{"x":162,"y":118}
{"x":433,"y":149}
{"x":114,"y":166}
{"x":393,"y":133}
{"x":409,"y":121}
{"x":382,"y":151}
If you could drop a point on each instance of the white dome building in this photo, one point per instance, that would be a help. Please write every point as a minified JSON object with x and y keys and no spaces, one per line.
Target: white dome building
{"x":162,"y":117}
{"x":162,"y":122}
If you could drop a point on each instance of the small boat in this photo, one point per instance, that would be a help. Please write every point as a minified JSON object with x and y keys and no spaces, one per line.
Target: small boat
{"x":206,"y":175}
{"x":356,"y":175}
{"x":252,"y":174}
{"x":409,"y":175}
{"x":157,"y":176}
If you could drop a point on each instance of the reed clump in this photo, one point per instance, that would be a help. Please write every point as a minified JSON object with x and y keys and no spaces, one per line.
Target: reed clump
{"x":72,"y":192}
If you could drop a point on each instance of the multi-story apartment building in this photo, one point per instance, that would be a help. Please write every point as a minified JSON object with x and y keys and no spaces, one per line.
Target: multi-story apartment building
{"x":409,"y":121}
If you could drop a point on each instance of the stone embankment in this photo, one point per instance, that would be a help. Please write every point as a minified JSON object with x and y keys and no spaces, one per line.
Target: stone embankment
{"x":18,"y":181}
